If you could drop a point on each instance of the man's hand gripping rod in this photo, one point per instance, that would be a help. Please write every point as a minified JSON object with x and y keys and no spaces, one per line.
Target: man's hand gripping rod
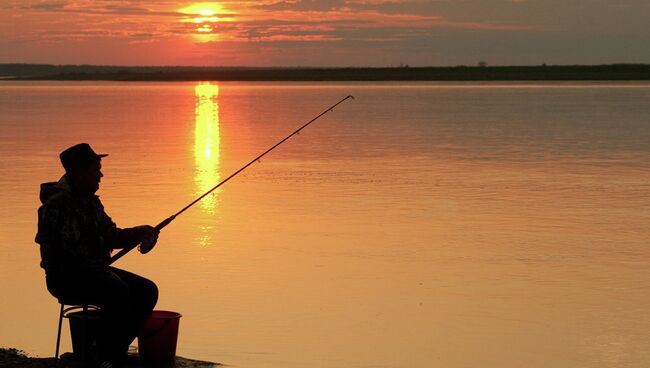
{"x":171,"y":218}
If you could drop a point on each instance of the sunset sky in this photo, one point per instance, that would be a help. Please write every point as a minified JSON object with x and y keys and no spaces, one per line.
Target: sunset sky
{"x":325,"y":32}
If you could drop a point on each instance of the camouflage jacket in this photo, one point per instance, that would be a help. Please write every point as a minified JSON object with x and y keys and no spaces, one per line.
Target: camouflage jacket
{"x":73,"y":229}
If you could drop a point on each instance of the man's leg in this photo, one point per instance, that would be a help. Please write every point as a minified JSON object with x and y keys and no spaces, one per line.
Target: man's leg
{"x":114,"y":299}
{"x":106,"y":289}
{"x":143,"y":295}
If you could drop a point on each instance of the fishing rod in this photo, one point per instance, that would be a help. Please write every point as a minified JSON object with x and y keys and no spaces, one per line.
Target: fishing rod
{"x":171,"y":218}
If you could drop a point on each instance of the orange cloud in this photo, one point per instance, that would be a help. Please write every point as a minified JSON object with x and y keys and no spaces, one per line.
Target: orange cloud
{"x":249,"y":20}
{"x":251,"y":25}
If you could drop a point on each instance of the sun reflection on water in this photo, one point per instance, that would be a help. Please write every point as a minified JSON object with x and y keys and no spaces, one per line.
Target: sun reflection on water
{"x":206,"y":144}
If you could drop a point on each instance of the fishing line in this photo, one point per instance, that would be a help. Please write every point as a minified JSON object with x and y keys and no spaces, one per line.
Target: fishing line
{"x":171,"y":218}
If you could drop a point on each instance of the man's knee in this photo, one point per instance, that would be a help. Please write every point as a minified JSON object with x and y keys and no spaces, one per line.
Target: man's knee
{"x":150,"y":293}
{"x":154,"y":294}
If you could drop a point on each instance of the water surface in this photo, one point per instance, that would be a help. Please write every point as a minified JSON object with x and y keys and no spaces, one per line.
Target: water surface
{"x":424,"y":224}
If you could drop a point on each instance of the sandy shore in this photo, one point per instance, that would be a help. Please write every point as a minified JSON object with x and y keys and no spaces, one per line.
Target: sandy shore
{"x":13,"y":358}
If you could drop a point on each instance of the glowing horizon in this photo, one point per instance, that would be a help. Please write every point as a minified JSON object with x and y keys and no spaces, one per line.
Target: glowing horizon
{"x":320,"y":33}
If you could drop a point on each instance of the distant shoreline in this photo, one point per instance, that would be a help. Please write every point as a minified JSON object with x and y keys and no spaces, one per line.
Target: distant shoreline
{"x":612,"y":72}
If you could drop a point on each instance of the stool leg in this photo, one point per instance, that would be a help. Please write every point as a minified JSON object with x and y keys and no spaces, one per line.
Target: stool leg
{"x":58,"y":338}
{"x":83,"y":332}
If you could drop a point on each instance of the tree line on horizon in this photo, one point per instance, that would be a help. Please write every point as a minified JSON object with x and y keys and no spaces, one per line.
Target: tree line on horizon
{"x":402,"y":72}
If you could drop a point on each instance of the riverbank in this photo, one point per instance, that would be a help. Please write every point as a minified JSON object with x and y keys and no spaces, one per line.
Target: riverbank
{"x":13,"y":358}
{"x":618,"y":72}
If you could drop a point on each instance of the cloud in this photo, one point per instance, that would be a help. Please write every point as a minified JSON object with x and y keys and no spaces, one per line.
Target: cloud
{"x":47,"y":6}
{"x":305,"y":5}
{"x":325,"y":20}
{"x":421,"y":31}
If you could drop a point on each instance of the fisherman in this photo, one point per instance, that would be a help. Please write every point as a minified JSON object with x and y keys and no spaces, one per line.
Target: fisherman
{"x":76,"y":238}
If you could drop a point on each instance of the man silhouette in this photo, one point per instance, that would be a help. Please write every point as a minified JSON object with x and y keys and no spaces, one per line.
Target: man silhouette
{"x":76,"y":238}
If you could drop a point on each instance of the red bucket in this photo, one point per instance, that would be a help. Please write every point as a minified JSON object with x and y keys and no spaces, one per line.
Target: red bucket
{"x":158,"y":337}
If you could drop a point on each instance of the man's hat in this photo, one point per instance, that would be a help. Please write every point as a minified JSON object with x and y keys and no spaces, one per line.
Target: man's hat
{"x":79,"y":155}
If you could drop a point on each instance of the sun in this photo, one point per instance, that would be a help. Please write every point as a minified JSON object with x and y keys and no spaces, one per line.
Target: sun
{"x":206,"y":9}
{"x":207,"y":12}
{"x":204,"y":16}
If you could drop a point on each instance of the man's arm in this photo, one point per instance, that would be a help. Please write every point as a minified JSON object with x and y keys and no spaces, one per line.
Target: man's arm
{"x":132,"y":236}
{"x":117,"y":238}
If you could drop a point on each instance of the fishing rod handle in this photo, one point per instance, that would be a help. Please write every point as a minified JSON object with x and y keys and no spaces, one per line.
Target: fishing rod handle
{"x":120,"y":254}
{"x":165,"y":222}
{"x":126,"y":250}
